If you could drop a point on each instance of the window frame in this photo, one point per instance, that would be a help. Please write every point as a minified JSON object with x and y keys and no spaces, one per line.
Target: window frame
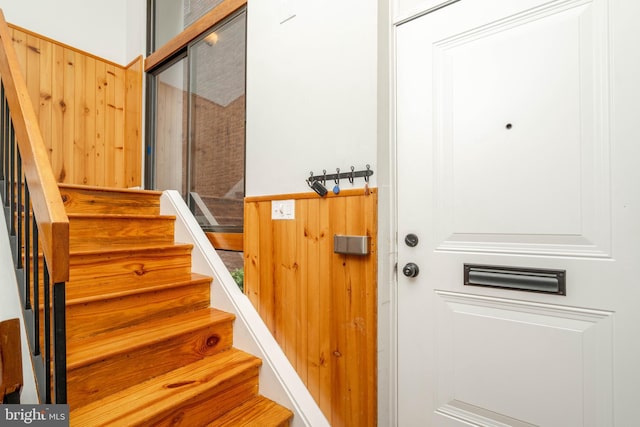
{"x":166,"y":56}
{"x":161,"y":54}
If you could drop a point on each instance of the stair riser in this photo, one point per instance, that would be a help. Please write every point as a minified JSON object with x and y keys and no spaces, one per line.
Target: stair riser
{"x":259,"y":411}
{"x":89,"y":200}
{"x":99,"y":379}
{"x":200,"y":410}
{"x":135,"y":231}
{"x":109,"y":314}
{"x":138,"y":267}
{"x":192,"y":395}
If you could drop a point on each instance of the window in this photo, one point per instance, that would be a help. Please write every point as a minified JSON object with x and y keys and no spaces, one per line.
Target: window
{"x":196,"y":125}
{"x":168,"y":18}
{"x":217,"y":117}
{"x":167,"y":164}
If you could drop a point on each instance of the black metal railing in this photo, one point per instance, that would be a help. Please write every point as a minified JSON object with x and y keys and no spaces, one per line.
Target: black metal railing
{"x":43,"y":302}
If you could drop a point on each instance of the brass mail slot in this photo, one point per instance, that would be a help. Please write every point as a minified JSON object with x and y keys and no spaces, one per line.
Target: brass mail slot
{"x":521,"y":279}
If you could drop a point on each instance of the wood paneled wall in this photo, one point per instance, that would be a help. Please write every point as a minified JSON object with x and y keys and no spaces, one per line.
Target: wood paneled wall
{"x":320,"y":306}
{"x":133,"y":123}
{"x":89,"y":111}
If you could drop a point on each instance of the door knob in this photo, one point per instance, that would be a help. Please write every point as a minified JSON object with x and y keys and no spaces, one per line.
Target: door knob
{"x":411,"y":240}
{"x":410,"y":269}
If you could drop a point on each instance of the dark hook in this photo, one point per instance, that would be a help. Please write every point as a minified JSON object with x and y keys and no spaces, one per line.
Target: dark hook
{"x":352,"y":176}
{"x":337,"y":179}
{"x":366,"y":175}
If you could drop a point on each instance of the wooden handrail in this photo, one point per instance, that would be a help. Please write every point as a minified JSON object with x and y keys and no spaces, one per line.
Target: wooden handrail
{"x":48,"y":208}
{"x":226,"y":241}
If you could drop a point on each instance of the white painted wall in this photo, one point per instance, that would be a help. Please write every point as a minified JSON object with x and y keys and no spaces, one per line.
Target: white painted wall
{"x":136,"y":22}
{"x":311,"y":92}
{"x":318,"y":98}
{"x":114,"y":30}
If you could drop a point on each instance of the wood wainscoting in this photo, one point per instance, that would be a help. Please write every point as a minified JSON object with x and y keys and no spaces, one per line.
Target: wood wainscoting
{"x":11,"y":380}
{"x":319,"y":305}
{"x":89,"y":110}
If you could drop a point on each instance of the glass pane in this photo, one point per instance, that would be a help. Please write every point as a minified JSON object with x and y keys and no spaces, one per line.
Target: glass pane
{"x":173,"y":16}
{"x":217,"y":89}
{"x":171,"y":129}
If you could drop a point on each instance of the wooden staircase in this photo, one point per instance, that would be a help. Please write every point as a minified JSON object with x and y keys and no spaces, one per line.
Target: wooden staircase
{"x":143,"y":345}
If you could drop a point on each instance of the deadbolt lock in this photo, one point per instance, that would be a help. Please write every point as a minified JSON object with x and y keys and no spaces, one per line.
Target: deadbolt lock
{"x":411,"y":240}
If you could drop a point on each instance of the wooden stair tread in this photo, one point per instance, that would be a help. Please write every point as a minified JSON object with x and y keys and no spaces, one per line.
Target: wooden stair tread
{"x":257,"y":412}
{"x":87,"y":350}
{"x":94,"y":216}
{"x":95,"y":307}
{"x":78,"y":199}
{"x":110,"y":190}
{"x":137,"y":404}
{"x":101,"y":248}
{"x":94,"y":292}
{"x":145,"y":263}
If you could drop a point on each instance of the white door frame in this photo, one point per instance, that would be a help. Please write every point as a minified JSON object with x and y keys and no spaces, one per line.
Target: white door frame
{"x":388,"y":209}
{"x":387,"y":222}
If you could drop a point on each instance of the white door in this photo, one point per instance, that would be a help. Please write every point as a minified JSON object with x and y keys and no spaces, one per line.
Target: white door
{"x":518,"y":146}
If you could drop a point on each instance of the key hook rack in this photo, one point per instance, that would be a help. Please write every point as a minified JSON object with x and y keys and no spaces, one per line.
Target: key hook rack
{"x":336,"y":177}
{"x":317,"y":182}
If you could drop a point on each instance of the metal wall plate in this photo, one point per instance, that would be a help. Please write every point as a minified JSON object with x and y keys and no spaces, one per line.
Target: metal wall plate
{"x":351,"y":245}
{"x":521,"y":279}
